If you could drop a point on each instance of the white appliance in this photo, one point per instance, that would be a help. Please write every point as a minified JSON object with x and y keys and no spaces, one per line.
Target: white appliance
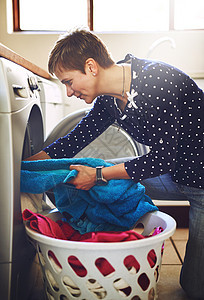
{"x":21,"y":135}
{"x":113,"y":143}
{"x":52,"y":104}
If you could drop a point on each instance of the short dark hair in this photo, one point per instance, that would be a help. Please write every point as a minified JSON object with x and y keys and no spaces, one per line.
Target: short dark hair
{"x":72,"y":50}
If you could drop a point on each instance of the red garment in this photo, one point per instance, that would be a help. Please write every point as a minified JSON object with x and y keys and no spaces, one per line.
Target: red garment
{"x":62,"y":230}
{"x":43,"y":225}
{"x":99,"y":236}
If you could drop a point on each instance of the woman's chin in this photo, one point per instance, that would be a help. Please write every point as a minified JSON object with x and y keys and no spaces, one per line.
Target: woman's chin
{"x":88,"y":100}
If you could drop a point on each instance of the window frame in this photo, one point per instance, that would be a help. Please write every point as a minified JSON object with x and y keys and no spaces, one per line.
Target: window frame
{"x":16,"y":15}
{"x":90,"y":16}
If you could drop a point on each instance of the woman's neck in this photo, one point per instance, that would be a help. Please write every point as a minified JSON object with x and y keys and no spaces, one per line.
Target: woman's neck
{"x":115,"y":81}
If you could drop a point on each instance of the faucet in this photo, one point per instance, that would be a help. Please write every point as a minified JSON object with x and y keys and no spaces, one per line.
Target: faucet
{"x":158,"y":42}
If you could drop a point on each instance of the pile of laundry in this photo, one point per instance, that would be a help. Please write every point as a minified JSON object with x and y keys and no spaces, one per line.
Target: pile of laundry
{"x":114,"y":207}
{"x":62,"y":230}
{"x":103,"y":214}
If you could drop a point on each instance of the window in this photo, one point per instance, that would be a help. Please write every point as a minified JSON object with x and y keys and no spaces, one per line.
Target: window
{"x":131,"y":15}
{"x":108,"y":15}
{"x":52,"y":15}
{"x":189,"y":14}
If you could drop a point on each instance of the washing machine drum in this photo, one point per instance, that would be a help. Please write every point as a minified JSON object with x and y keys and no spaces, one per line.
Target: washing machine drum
{"x":34,"y":135}
{"x":113,"y":143}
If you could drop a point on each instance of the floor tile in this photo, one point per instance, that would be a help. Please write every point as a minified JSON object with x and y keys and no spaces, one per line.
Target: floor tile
{"x":181,"y":247}
{"x":170,"y":256}
{"x":180,"y":234}
{"x":168,"y":287}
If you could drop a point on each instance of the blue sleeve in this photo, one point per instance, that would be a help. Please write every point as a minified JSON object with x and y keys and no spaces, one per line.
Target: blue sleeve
{"x":88,"y":129}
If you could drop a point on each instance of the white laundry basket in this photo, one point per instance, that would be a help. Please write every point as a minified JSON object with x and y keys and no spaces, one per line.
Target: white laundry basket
{"x":123,"y":282}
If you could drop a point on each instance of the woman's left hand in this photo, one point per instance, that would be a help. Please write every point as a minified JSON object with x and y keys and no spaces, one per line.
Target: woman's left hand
{"x":86,"y":177}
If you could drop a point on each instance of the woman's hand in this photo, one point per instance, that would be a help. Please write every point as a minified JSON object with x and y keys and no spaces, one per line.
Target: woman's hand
{"x":86,"y":177}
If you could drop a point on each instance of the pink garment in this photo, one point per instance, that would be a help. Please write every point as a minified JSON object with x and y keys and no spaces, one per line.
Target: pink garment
{"x":62,"y":230}
{"x":43,"y":225}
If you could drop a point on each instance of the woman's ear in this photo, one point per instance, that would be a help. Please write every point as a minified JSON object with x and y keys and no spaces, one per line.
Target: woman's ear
{"x":91,"y":66}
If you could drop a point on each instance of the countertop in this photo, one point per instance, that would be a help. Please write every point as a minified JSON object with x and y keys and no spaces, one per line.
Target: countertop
{"x":13,"y":56}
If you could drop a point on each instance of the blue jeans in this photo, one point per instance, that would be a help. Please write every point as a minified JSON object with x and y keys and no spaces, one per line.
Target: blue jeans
{"x":163,"y":188}
{"x":192,"y":273}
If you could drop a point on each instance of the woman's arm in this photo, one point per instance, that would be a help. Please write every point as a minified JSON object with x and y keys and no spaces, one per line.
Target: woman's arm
{"x":87,"y":130}
{"x":86,"y":177}
{"x":115,"y":172}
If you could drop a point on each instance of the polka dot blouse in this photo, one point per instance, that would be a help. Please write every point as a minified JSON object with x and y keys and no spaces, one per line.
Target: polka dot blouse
{"x":164,"y":111}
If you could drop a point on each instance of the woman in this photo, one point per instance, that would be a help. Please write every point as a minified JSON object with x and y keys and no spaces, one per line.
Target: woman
{"x":159,"y":106}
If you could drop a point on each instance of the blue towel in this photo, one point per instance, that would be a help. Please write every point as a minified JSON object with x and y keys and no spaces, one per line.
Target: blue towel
{"x":114,"y":207}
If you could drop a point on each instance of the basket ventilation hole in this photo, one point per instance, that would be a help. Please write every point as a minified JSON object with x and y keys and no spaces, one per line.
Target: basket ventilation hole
{"x":77,"y":266}
{"x":131,"y":264}
{"x":41,"y":257}
{"x":71,"y":286}
{"x":144,"y":281}
{"x":151,"y":294}
{"x":122,"y":287}
{"x":54,"y":262}
{"x":156,"y":273}
{"x":49,"y":295}
{"x":152,"y":258}
{"x":135,"y":298}
{"x":63,"y":297}
{"x":52,"y":281}
{"x":96,"y":288}
{"x":104,"y":266}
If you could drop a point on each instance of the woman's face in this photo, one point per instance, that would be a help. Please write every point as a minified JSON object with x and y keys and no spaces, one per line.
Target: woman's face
{"x":78,"y":84}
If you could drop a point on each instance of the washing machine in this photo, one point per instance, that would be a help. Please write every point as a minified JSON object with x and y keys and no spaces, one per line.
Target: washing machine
{"x":21,"y":135}
{"x":113,"y":144}
{"x":22,"y":95}
{"x":52,"y":103}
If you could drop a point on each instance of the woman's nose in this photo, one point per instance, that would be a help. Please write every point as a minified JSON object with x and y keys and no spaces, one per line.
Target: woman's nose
{"x":70,"y":91}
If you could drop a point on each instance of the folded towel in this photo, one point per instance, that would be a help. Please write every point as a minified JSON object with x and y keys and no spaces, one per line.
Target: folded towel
{"x":114,"y":207}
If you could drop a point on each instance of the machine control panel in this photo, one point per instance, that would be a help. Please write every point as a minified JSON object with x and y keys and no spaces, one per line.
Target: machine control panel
{"x":17,"y":85}
{"x":33,"y":83}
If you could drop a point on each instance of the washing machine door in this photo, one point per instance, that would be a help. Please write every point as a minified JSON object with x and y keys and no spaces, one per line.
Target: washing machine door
{"x":23,"y":274}
{"x":113,"y":143}
{"x":21,"y":135}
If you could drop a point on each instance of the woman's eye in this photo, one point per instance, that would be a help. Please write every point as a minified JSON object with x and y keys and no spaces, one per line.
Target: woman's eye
{"x":68,"y":82}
